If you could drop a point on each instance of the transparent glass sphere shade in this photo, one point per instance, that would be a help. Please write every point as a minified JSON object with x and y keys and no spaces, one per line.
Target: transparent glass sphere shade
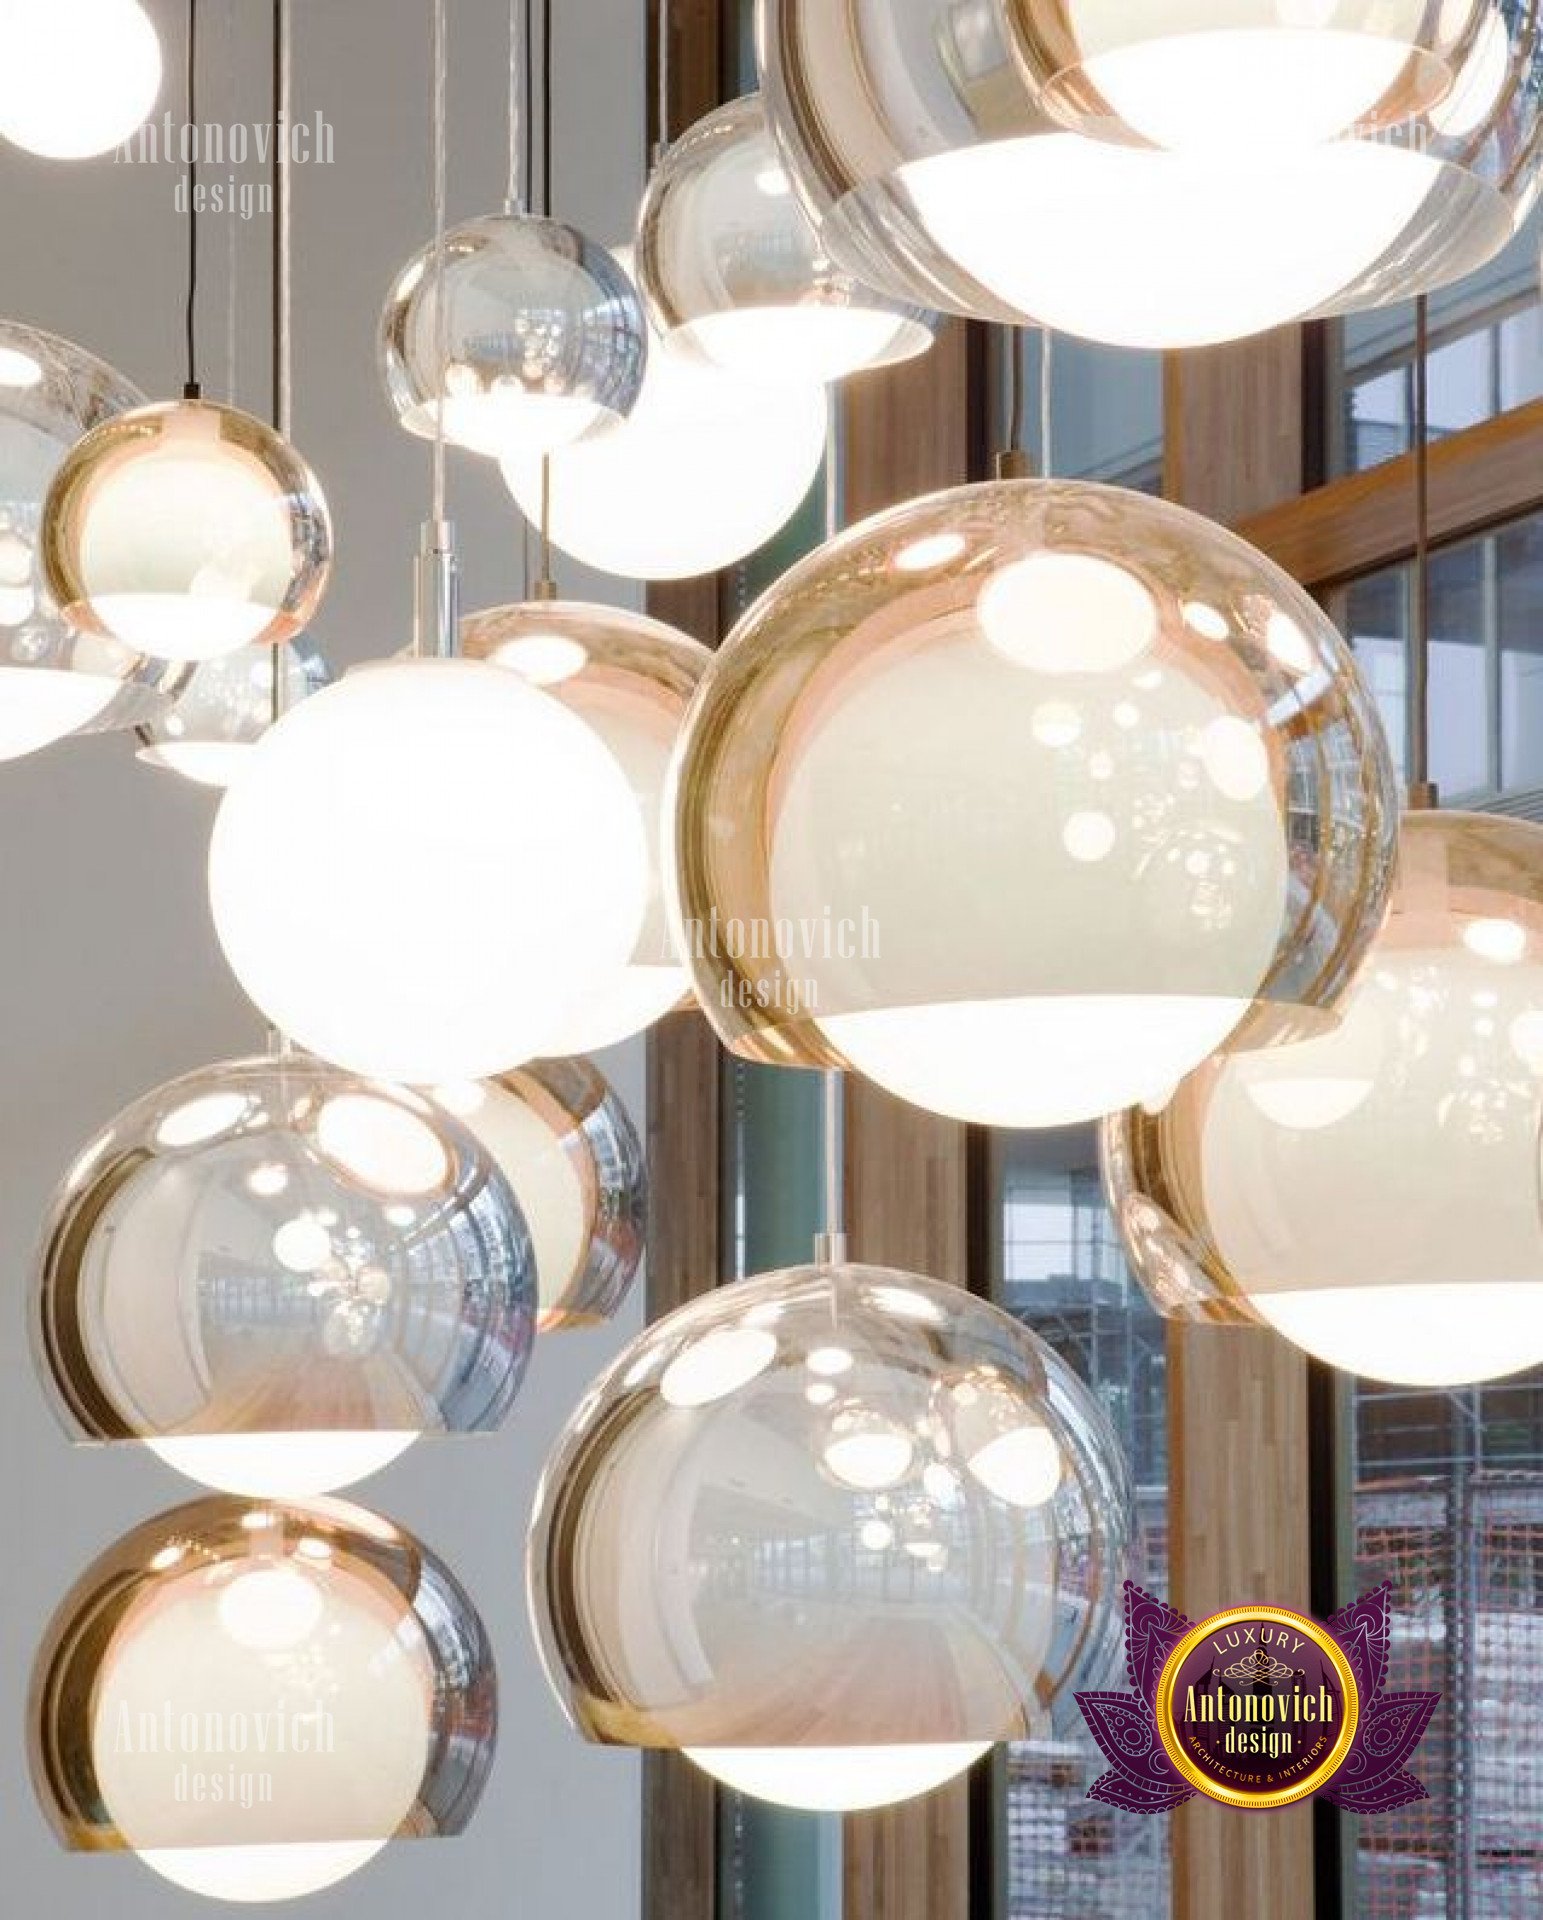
{"x":734,"y":272}
{"x":706,"y":468}
{"x":77,"y":77}
{"x":837,"y":1779}
{"x":564,"y":1141}
{"x":54,"y":680}
{"x":188,"y":531}
{"x":452,"y":790}
{"x":543,"y":338}
{"x":339,"y":1638}
{"x":1374,"y":1193}
{"x":1224,"y":76}
{"x":1021,"y":799}
{"x":226,"y":708}
{"x":279,"y":1276}
{"x":630,"y":680}
{"x":787,"y":1606}
{"x":924,"y":142}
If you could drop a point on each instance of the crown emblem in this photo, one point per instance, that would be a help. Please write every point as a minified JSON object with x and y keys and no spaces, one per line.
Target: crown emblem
{"x":1259,"y":1666}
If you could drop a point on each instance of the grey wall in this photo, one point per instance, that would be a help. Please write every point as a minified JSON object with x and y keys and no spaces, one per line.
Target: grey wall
{"x":111,"y":981}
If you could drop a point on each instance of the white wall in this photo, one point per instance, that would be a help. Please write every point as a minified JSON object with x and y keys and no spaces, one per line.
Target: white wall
{"x":111,"y":981}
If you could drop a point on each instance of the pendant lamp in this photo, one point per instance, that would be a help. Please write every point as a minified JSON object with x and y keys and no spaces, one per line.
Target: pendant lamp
{"x":735,"y":274}
{"x":514,"y":333}
{"x":77,"y":77}
{"x":54,"y":680}
{"x":256,"y":1699}
{"x":483,"y":868}
{"x":187,"y":529}
{"x":279,"y":1276}
{"x":927,"y":152}
{"x":1374,"y":1192}
{"x":630,"y":680}
{"x":1018,"y":799}
{"x":706,"y":469}
{"x":832,"y":1533}
{"x":225,"y":709}
{"x":1229,"y":74}
{"x":562,"y":1138}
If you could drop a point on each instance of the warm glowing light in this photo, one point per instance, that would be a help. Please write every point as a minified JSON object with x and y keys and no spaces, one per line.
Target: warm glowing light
{"x":1068,"y":613}
{"x":836,"y":1779}
{"x":718,"y":1365}
{"x":39,"y":706}
{"x":77,"y":77}
{"x":1021,"y":1466}
{"x":295,"y":1464}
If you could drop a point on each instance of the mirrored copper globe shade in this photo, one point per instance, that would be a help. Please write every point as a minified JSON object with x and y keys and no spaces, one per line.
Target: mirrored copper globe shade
{"x":1373,"y":1193}
{"x":539,"y":340}
{"x":831,"y":1532}
{"x":278,"y":1276}
{"x":1019,"y":800}
{"x":927,"y":147}
{"x":562,"y":1138}
{"x":55,"y":680}
{"x":630,"y":680}
{"x":187,"y":530}
{"x":257,"y":1698}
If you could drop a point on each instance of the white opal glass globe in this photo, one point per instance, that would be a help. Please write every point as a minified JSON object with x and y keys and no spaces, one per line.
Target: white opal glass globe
{"x":836,"y":1779}
{"x":706,"y":468}
{"x":424,"y":867}
{"x":77,"y":77}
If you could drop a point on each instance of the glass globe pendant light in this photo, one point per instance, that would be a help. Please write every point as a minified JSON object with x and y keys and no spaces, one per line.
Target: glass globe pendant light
{"x":256,"y":1699}
{"x":77,"y":77}
{"x":449,"y":788}
{"x":187,"y":529}
{"x":514,"y":332}
{"x":706,"y":469}
{"x":226,"y":708}
{"x":1018,"y":800}
{"x":278,"y":1276}
{"x":563,"y":1140}
{"x":1286,"y":73}
{"x":1374,"y":1193}
{"x":734,"y":272}
{"x":54,"y":680}
{"x":630,"y":680}
{"x":894,"y":1534}
{"x":924,"y":153}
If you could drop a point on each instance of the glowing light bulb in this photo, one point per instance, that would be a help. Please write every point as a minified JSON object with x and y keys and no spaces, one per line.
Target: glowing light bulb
{"x":836,"y":1779}
{"x":77,"y":77}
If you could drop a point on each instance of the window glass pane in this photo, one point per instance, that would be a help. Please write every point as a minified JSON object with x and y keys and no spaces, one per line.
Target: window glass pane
{"x":1057,"y":1266}
{"x":1487,"y":357}
{"x":1448,"y":1505}
{"x":1106,"y":411}
{"x":1519,"y":596}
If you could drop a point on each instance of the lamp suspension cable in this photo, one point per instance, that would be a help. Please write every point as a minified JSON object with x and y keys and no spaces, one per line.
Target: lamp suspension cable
{"x":830,"y":1247}
{"x":1422,"y":791}
{"x":190,"y":389}
{"x":663,"y":79}
{"x":282,"y":285}
{"x":546,"y":108}
{"x":1046,"y":402}
{"x":437,"y":611}
{"x":232,"y":241}
{"x":514,"y":195}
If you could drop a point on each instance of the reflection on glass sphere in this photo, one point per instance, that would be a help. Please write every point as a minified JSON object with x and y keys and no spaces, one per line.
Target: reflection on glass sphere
{"x":1018,"y":799}
{"x":257,"y":1699}
{"x":227,"y":707}
{"x":926,"y":152}
{"x":833,"y":1602}
{"x":414,"y":798}
{"x":187,"y":530}
{"x":1230,"y":75}
{"x":734,"y":272}
{"x":543,"y":337}
{"x":1373,"y":1193}
{"x":563,"y":1140}
{"x":706,"y":468}
{"x":77,"y":77}
{"x":280,"y":1276}
{"x":53,"y":680}
{"x":630,"y":679}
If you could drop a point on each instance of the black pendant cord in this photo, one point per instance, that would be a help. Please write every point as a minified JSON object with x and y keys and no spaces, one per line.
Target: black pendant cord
{"x":191,"y":388}
{"x":1421,"y":791}
{"x":546,"y":108}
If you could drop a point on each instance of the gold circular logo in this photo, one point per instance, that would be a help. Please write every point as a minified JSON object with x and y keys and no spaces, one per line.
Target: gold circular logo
{"x":1258,"y":1707}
